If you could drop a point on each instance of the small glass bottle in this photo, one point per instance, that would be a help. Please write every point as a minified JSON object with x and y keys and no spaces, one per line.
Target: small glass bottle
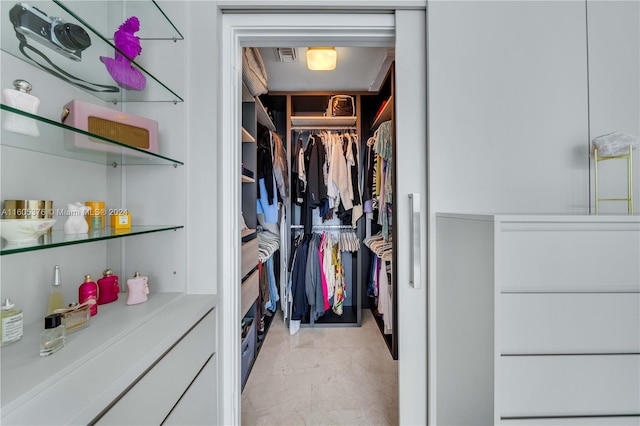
{"x":108,"y":287}
{"x":53,"y":337}
{"x":11,"y":328}
{"x":89,"y":290}
{"x":20,"y":98}
{"x":55,"y":297}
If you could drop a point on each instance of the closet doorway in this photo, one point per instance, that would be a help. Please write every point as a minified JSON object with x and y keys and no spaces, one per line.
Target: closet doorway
{"x":405,"y":31}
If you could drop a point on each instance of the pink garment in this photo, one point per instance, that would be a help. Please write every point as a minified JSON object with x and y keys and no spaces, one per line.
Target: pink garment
{"x":324,"y":278}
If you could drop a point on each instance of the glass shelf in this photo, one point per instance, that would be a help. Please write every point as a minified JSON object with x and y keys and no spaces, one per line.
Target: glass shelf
{"x":90,"y":72}
{"x":59,"y":238}
{"x":60,"y":140}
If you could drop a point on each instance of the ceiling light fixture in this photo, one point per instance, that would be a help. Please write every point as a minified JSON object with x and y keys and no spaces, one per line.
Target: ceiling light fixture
{"x":321,"y":58}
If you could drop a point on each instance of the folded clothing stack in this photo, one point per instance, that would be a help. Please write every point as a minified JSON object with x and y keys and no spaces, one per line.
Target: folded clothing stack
{"x":614,"y":144}
{"x":247,"y":172}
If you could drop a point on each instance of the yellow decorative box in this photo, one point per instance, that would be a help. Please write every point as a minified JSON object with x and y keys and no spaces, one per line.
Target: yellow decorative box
{"x":120,"y":221}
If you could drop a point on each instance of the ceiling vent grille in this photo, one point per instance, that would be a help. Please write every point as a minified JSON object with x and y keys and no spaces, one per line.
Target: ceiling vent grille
{"x":287,"y":54}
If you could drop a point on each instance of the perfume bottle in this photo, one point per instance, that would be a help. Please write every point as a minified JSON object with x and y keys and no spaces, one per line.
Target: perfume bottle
{"x":53,"y":337}
{"x":138,"y":288}
{"x":55,"y":297}
{"x":20,"y":98}
{"x":108,"y":287}
{"x":11,"y":328}
{"x":89,"y":290}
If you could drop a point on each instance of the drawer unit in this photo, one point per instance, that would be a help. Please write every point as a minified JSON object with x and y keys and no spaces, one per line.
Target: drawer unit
{"x":249,"y":292}
{"x":538,"y":319}
{"x":249,"y":257}
{"x":569,"y":385}
{"x":566,"y":323}
{"x":248,"y":351}
{"x":153,"y":396}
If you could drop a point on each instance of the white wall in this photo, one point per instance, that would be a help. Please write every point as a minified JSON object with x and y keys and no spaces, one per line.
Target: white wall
{"x":614,"y":88}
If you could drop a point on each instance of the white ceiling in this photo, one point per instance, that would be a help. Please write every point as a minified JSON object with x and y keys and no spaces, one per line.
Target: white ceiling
{"x":356,"y":70}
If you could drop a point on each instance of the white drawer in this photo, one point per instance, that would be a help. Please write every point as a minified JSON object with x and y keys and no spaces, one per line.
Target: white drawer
{"x":569,"y":323}
{"x":569,"y":260}
{"x":574,"y":421}
{"x":152,"y":397}
{"x":198,"y":405}
{"x":249,"y":257}
{"x":250,"y":292}
{"x":568,"y":385}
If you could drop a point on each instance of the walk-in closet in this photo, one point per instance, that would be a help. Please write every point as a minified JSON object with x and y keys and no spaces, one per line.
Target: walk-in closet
{"x":317,"y":205}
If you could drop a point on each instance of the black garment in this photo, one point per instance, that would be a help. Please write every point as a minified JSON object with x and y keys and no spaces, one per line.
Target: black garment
{"x":265,"y":162}
{"x":315,"y":158}
{"x":367,"y":191}
{"x":316,"y":193}
{"x":297,"y":185}
{"x":354,"y":176}
{"x":299,"y":306}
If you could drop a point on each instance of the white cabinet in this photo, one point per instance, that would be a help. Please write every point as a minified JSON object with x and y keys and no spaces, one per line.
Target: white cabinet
{"x":538,"y":319}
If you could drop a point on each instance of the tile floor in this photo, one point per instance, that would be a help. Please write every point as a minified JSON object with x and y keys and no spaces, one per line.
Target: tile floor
{"x":322,"y":376}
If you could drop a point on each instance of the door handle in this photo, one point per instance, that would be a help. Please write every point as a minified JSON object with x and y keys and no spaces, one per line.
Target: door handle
{"x":414,"y":278}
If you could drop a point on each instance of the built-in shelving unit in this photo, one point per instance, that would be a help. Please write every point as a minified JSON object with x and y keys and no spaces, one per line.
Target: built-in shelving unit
{"x":145,"y":335}
{"x":90,"y":73}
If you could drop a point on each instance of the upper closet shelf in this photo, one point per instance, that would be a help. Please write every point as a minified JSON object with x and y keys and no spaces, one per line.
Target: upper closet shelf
{"x":246,"y":136}
{"x":66,"y":141}
{"x":263,"y":117}
{"x":326,"y":122}
{"x":100,"y":19}
{"x":384,"y":114}
{"x":246,"y":95}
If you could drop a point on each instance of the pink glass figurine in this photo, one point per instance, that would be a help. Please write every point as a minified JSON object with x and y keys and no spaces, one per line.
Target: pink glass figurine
{"x":120,"y":68}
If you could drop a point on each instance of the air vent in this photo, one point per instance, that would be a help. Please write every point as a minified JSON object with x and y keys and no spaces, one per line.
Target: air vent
{"x":287,"y":54}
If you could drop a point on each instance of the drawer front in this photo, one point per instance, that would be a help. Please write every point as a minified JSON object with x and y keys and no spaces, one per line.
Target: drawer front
{"x":249,"y":257}
{"x":569,"y":385}
{"x":569,"y":260}
{"x":249,"y":292}
{"x":152,"y":397}
{"x":569,"y":323}
{"x":198,"y":405}
{"x":575,"y":421}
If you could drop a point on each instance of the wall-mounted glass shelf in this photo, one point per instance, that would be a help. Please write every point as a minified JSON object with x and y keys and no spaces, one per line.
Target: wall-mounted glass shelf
{"x":100,"y":19}
{"x":58,"y":238}
{"x":66,"y":141}
{"x":154,"y":22}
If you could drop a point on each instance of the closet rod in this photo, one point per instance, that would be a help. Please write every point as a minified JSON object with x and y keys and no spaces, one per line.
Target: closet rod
{"x":323,"y":128}
{"x":323,"y":227}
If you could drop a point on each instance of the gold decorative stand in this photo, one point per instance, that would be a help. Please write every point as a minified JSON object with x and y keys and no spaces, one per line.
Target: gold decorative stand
{"x":629,"y":198}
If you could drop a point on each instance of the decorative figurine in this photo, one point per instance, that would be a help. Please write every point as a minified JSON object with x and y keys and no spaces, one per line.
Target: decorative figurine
{"x":76,"y":223}
{"x":120,"y":68}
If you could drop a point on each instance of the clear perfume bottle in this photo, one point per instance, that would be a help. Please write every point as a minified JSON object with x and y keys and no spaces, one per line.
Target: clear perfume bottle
{"x":20,"y":98}
{"x":54,"y":336}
